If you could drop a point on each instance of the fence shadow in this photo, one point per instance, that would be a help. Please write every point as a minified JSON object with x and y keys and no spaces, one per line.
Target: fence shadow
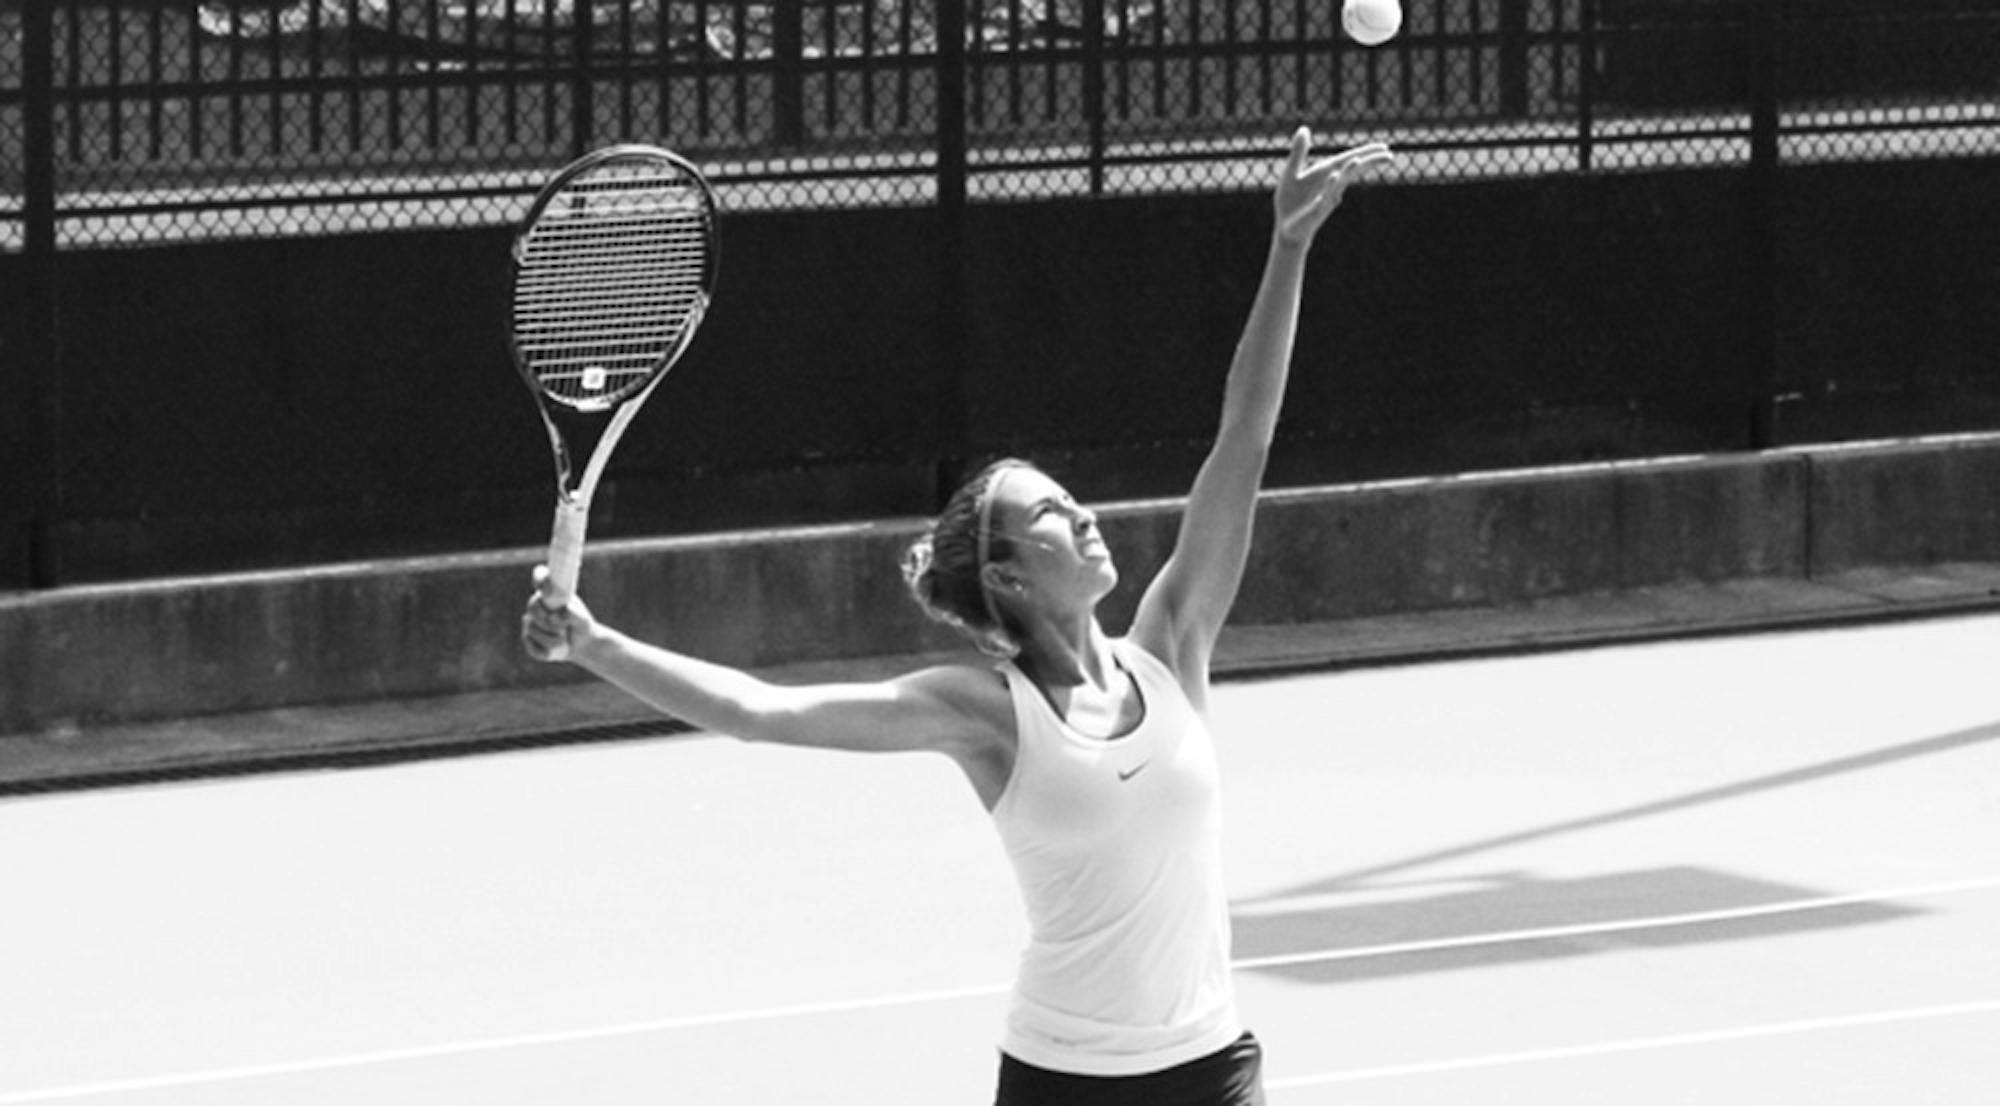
{"x":1756,"y":785}
{"x":1358,"y":934}
{"x":1330,"y":925}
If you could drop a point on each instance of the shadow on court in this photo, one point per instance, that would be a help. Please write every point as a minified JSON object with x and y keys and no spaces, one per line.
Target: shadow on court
{"x":1756,"y":785}
{"x":1368,"y":908}
{"x":1342,"y":921}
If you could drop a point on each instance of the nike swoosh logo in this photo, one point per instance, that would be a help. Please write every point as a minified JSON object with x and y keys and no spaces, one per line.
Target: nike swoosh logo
{"x":1124,"y":776}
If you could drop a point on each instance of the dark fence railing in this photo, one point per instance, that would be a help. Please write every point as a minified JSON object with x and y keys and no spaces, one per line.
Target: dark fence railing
{"x":252,"y":402}
{"x":149,"y":120}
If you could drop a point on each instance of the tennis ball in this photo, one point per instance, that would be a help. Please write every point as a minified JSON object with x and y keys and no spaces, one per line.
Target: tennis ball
{"x":1371,"y":22}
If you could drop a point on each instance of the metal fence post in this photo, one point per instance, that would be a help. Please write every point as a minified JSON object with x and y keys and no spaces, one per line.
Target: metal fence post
{"x":952,"y":154}
{"x":582,"y":95}
{"x":1093,"y":89}
{"x":788,"y":80}
{"x":1586,"y":85}
{"x":1514,"y":59}
{"x":1766,"y":31}
{"x":38,"y":372}
{"x":954,"y":427}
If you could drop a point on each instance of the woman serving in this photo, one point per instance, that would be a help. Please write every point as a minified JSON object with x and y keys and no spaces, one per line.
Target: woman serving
{"x":1090,"y":751}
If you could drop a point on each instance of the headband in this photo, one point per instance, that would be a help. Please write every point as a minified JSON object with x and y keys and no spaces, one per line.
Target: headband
{"x":986,"y":498}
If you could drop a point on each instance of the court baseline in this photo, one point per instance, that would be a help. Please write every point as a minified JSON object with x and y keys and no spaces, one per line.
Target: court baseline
{"x":1970,"y":885}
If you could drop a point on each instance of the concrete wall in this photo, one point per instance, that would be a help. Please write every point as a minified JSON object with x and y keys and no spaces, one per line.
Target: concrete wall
{"x":372,"y":630}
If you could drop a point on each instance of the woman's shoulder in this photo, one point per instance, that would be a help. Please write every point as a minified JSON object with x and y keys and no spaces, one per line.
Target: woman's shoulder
{"x":978,"y":691}
{"x":1154,"y":656}
{"x":981,"y":698}
{"x":1161,"y":661}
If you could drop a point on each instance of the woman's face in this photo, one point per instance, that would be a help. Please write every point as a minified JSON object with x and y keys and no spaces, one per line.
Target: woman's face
{"x":1059,"y":561}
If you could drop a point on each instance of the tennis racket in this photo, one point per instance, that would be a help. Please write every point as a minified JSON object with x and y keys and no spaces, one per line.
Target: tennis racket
{"x":613,"y":269}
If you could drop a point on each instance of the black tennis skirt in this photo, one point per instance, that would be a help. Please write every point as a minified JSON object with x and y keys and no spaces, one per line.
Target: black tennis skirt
{"x":1233,"y":1076}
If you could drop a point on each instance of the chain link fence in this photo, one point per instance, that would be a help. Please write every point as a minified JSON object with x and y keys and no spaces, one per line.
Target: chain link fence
{"x":306,"y":130}
{"x":169,"y":120}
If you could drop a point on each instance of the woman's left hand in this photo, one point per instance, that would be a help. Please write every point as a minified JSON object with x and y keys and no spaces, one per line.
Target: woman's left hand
{"x":1310,"y":190}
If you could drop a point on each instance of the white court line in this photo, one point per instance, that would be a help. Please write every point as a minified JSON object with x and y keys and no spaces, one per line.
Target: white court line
{"x":490,"y":1044}
{"x":918,"y":998}
{"x":1639,"y":1044}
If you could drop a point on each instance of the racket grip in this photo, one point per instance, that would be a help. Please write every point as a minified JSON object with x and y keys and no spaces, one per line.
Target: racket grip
{"x":565,"y":558}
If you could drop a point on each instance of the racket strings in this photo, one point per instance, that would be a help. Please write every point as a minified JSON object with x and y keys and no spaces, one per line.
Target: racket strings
{"x":611,"y":276}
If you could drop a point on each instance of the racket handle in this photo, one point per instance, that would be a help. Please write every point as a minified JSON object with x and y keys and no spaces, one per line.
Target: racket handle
{"x":565,"y":558}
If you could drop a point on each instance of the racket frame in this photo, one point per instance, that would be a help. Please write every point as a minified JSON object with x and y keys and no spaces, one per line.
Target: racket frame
{"x":574,"y":489}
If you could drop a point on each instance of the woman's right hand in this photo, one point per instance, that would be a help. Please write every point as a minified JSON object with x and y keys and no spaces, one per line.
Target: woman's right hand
{"x":554,"y":633}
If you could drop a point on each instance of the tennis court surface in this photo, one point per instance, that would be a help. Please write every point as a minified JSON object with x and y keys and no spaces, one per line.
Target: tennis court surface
{"x":1756,"y":869}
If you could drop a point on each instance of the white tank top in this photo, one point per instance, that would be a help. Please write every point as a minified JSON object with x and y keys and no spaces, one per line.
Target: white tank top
{"x":1116,"y":844}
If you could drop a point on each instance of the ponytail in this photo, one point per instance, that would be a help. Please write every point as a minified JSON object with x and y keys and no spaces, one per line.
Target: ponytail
{"x":945,"y":568}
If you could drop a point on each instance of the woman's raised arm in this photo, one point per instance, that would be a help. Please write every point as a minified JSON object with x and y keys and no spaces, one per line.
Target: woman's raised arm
{"x":1184,"y":608}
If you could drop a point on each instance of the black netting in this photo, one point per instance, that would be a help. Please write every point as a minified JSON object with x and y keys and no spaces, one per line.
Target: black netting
{"x":178,"y":119}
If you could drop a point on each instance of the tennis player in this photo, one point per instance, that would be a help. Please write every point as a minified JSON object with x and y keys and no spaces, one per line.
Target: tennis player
{"x":1089,"y":750}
